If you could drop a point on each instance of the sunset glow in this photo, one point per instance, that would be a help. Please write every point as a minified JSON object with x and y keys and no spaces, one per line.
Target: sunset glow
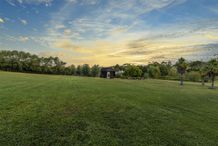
{"x":109,"y":32}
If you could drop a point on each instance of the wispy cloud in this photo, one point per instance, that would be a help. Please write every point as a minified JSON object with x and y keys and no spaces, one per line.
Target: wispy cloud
{"x":119,"y":31}
{"x":23,"y":38}
{"x":2,"y":20}
{"x":24,"y":22}
{"x":45,"y":2}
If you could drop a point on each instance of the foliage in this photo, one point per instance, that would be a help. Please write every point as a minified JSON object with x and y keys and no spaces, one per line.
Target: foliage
{"x":173,"y":72}
{"x":132,"y":71}
{"x":95,"y":70}
{"x":193,"y":76}
{"x":165,"y":68}
{"x":182,"y":66}
{"x":25,"y":62}
{"x":19,"y":61}
{"x":86,"y":70}
{"x":79,"y":70}
{"x":212,"y":68}
{"x":154,"y":71}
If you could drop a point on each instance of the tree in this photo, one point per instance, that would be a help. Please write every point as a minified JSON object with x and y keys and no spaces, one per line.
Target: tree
{"x":25,"y":62}
{"x":132,"y":71}
{"x":95,"y":70}
{"x":86,"y":70}
{"x":195,"y":65}
{"x":154,"y":71}
{"x":212,"y":68}
{"x":72,"y":69}
{"x":79,"y":70}
{"x":144,"y":70}
{"x":165,"y":68}
{"x":173,"y":72}
{"x":182,"y":66}
{"x":203,"y":72}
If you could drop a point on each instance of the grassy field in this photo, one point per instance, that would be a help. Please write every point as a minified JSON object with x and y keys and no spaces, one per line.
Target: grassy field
{"x":63,"y":110}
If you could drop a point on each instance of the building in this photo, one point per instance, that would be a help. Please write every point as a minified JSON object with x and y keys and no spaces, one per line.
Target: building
{"x":107,"y":72}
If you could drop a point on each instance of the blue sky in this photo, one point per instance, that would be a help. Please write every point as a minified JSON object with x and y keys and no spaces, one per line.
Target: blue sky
{"x":107,"y":32}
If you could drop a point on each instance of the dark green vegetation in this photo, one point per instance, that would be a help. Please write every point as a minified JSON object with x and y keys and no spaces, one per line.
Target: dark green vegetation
{"x":197,"y":71}
{"x":64,"y":110}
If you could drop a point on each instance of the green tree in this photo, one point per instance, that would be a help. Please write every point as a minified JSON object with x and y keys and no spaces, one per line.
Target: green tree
{"x":79,"y":70}
{"x":182,"y":66}
{"x":212,"y":68}
{"x":154,"y":71}
{"x":95,"y":70}
{"x":203,"y":73}
{"x":72,"y":69}
{"x":165,"y":68}
{"x":132,"y":71}
{"x":86,"y":70}
{"x":173,"y":72}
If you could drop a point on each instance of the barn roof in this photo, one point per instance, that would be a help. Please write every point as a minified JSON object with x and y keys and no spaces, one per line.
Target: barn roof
{"x":108,"y":69}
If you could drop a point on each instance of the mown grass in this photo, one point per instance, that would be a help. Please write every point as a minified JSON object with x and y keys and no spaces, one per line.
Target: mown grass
{"x":63,"y":110}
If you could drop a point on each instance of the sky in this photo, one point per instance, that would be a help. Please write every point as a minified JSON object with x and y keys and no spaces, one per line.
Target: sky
{"x":109,"y":32}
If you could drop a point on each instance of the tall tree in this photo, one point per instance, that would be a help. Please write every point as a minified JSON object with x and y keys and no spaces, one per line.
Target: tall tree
{"x":165,"y":68}
{"x":95,"y":70}
{"x":86,"y":70}
{"x":212,"y":68}
{"x":203,"y":72}
{"x":79,"y":70}
{"x":182,"y":66}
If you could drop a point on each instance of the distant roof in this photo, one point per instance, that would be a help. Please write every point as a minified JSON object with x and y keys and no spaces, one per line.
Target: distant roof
{"x":107,"y":69}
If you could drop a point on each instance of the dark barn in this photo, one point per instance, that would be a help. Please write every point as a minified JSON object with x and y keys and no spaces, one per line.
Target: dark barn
{"x":107,"y":72}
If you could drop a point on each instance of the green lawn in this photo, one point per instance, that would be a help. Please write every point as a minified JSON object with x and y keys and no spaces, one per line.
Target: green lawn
{"x":63,"y":110}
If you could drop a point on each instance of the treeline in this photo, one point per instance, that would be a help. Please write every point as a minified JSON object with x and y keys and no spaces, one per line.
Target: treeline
{"x":181,"y":70}
{"x":19,"y":61}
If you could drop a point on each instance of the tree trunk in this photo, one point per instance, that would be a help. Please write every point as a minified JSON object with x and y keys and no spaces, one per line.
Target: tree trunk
{"x":181,"y":80}
{"x":202,"y":81}
{"x":213,"y":80}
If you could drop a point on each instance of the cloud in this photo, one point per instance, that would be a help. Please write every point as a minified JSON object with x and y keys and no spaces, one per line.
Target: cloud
{"x":83,"y":2}
{"x":23,"y":38}
{"x":211,"y":36}
{"x":116,"y":33}
{"x":65,"y":44}
{"x":24,"y":22}
{"x":115,"y":18}
{"x":2,"y":20}
{"x":35,"y":2}
{"x":68,"y":45}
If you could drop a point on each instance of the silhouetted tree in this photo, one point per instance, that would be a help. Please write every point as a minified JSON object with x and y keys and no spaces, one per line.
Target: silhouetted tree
{"x":212,"y":68}
{"x":181,"y":65}
{"x":95,"y":70}
{"x":86,"y":70}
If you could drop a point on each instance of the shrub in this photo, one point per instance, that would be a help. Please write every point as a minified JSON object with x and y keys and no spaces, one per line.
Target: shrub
{"x":173,"y":72}
{"x":193,"y":76}
{"x":146,"y":75}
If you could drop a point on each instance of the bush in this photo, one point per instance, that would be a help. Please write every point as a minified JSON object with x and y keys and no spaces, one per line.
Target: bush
{"x":193,"y":76}
{"x":173,"y":72}
{"x":146,"y":75}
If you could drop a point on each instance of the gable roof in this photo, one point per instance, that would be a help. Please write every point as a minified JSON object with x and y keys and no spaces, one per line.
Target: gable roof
{"x":107,"y":69}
